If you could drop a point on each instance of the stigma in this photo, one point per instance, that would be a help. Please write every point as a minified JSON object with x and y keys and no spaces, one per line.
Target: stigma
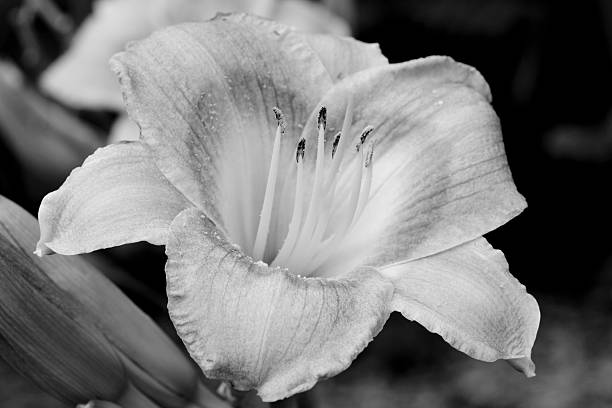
{"x":326,"y":205}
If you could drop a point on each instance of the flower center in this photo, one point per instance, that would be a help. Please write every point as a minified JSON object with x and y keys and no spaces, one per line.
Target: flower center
{"x":326,"y":209}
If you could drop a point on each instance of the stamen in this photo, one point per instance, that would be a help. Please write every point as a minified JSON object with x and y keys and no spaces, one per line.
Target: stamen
{"x":266,"y":210}
{"x":335,"y":145}
{"x":353,"y":198}
{"x":315,"y":198}
{"x":364,"y":193}
{"x":322,"y":217}
{"x":364,"y":135}
{"x":299,"y":152}
{"x":298,"y":206}
{"x":346,"y":124}
{"x":345,"y":221}
{"x":322,"y":119}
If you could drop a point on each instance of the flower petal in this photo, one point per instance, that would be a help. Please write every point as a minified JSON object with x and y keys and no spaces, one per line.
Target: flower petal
{"x":81,"y":77}
{"x":440,"y":176}
{"x":260,"y":327}
{"x":118,"y":196}
{"x":467,"y":296}
{"x":343,"y":56}
{"x":203,"y":96}
{"x":309,"y":16}
{"x":124,"y":129}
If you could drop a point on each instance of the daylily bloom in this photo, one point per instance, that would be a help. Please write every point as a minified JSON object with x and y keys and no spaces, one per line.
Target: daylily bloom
{"x":304,"y":189}
{"x":75,"y":335}
{"x":82,"y":78}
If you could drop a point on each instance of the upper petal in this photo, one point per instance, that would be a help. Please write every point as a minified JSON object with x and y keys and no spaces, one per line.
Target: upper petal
{"x":343,"y":56}
{"x":203,"y":96}
{"x":261,"y":327}
{"x":467,"y":296}
{"x":440,"y":176}
{"x":81,"y":77}
{"x":308,"y":16}
{"x":117,"y":196}
{"x":205,"y":92}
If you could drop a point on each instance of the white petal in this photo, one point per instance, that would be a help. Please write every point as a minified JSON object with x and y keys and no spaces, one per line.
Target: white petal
{"x":124,"y":129}
{"x":81,"y":77}
{"x":467,"y":296}
{"x":260,"y":327}
{"x":309,"y":16}
{"x":440,"y":176}
{"x":118,"y":196}
{"x":343,"y":56}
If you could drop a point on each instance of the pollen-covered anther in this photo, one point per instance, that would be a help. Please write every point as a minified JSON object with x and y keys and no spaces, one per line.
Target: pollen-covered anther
{"x":280,"y":118}
{"x":322,"y":119}
{"x":299,"y":151}
{"x":363,"y":137}
{"x":336,"y":142}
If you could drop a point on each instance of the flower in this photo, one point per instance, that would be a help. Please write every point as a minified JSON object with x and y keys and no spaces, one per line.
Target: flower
{"x":81,"y":77}
{"x":304,"y":189}
{"x":67,"y":328}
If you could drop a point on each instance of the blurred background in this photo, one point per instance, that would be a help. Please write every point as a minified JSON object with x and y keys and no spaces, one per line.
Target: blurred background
{"x":548,"y":64}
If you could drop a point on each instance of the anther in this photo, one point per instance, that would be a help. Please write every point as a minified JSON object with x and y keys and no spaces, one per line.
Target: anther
{"x":322,"y":119}
{"x":280,"y":118}
{"x":301,"y":148}
{"x":336,"y":142}
{"x":364,"y":135}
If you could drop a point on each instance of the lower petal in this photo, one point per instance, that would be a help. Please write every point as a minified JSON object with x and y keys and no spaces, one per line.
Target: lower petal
{"x":261,"y":327}
{"x":467,"y":296}
{"x":117,"y":196}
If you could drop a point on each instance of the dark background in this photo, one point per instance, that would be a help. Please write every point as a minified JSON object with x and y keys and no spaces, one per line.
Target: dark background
{"x":549,"y":65}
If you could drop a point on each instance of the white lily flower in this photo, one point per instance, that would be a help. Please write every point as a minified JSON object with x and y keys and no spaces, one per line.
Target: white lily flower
{"x":292,"y":236}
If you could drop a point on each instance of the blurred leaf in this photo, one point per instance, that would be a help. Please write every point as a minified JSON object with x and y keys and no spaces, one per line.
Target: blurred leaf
{"x":47,"y":140}
{"x":65,"y":306}
{"x":17,"y":392}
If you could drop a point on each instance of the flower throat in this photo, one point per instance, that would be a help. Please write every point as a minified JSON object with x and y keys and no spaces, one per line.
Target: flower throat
{"x":324,"y":215}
